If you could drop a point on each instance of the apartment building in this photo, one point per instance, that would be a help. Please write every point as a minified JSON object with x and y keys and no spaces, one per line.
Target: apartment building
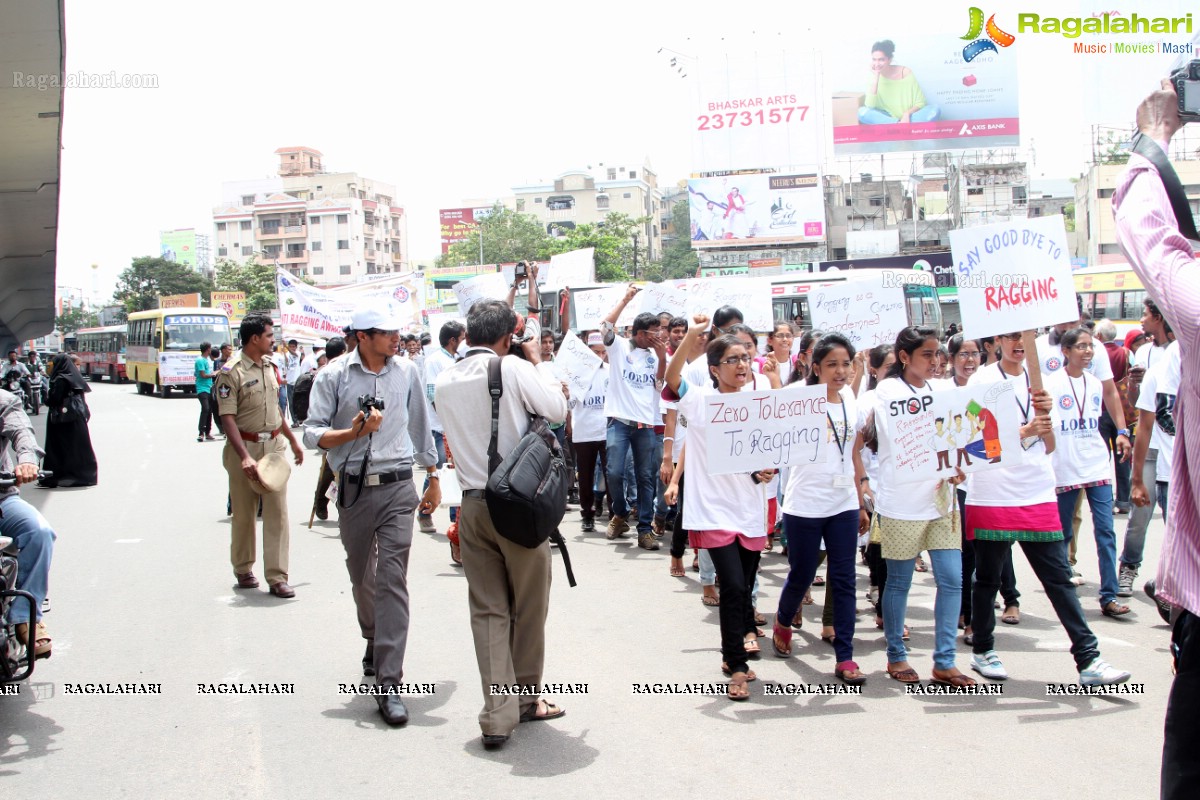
{"x":332,"y":227}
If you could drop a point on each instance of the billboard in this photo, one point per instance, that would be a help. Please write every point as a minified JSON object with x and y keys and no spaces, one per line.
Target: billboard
{"x":939,"y":264}
{"x":755,"y":109}
{"x":180,"y":301}
{"x":925,"y":96}
{"x":759,"y":209}
{"x":232,"y":303}
{"x":457,"y":224}
{"x":179,"y":246}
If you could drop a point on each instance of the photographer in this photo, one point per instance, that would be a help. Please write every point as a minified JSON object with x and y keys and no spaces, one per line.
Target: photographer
{"x":368,"y":411}
{"x":1149,"y":235}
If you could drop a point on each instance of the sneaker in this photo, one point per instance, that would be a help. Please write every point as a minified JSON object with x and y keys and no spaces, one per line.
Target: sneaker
{"x":647,"y":541}
{"x":1101,"y":673}
{"x":1076,"y":577}
{"x":426,"y":523}
{"x":616,"y":527}
{"x":589,"y":524}
{"x":573,"y":497}
{"x":1125,"y":581}
{"x":1164,"y":608}
{"x":989,"y":665}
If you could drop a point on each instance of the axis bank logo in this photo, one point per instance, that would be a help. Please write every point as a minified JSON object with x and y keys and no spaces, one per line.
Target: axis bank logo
{"x":995,"y":36}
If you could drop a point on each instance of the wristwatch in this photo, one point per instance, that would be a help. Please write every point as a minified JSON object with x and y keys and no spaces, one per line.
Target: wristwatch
{"x":1123,"y":432}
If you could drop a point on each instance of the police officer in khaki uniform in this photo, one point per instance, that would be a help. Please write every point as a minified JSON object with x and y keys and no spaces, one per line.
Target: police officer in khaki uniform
{"x":246,"y":389}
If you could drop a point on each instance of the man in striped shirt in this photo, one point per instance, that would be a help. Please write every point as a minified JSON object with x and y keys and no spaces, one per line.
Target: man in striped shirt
{"x":1165,"y":261}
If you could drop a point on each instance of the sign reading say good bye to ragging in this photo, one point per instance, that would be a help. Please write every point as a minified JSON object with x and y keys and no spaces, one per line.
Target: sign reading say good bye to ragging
{"x":1013,"y":276}
{"x":749,"y":431}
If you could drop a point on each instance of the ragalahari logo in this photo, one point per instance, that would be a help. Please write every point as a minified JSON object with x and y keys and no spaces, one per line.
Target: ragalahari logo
{"x":995,"y":36}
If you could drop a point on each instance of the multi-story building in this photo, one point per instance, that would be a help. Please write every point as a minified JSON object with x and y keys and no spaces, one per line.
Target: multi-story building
{"x":991,"y":192}
{"x":580,"y":196}
{"x":334,"y":227}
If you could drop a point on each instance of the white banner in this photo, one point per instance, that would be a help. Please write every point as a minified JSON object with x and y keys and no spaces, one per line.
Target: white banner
{"x":1014,"y":276}
{"x":175,"y":369}
{"x":751,"y":296}
{"x":436,"y":321}
{"x":312,"y":314}
{"x":576,"y":268}
{"x":865,"y":311}
{"x":490,"y":286}
{"x":592,"y":306}
{"x":576,"y":364}
{"x":972,"y":428}
{"x":749,"y":431}
{"x":655,"y":298}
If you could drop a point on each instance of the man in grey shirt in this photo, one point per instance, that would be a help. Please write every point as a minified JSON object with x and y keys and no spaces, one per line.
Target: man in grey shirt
{"x":372,"y":450}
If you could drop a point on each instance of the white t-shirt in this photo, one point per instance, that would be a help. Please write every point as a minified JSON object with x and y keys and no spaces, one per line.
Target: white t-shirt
{"x":810,"y":491}
{"x":716,"y":502}
{"x":1161,"y":382}
{"x":588,"y":423}
{"x":1029,"y":483}
{"x":911,"y":501}
{"x":632,"y":393}
{"x":435,"y":363}
{"x":1080,"y":455}
{"x":866,"y":406}
{"x":1052,"y":359}
{"x":1149,"y":355}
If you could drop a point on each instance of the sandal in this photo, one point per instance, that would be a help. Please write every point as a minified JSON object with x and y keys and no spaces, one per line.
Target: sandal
{"x":827,"y":635}
{"x":1012,"y":615}
{"x":849,"y":673}
{"x":759,"y":619}
{"x":920,"y":565}
{"x":798,"y":621}
{"x":808,"y":598}
{"x":709,"y":600}
{"x":551,"y":711}
{"x":908,"y":675}
{"x":750,"y":676}
{"x":677,"y":567}
{"x":41,"y":638}
{"x":770,"y":543}
{"x":696,"y":564}
{"x":968,"y":636}
{"x":780,"y":633}
{"x":738,"y":690}
{"x":948,"y":678}
{"x":1114,"y":609}
{"x":455,"y":555}
{"x":752,"y":649}
{"x":818,"y":581}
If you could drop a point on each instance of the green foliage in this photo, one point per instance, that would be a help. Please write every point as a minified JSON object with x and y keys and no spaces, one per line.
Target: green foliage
{"x":613,"y":240}
{"x":679,"y":259}
{"x":1069,"y":216}
{"x":256,"y":280}
{"x":508,"y":236}
{"x":150,"y":277}
{"x":73,"y":319}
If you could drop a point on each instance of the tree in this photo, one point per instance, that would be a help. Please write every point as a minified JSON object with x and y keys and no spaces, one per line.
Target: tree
{"x":256,"y":281}
{"x":73,"y":319}
{"x":508,"y":236}
{"x":613,"y":240}
{"x":148,"y":278}
{"x":679,"y":260}
{"x":1069,"y":216}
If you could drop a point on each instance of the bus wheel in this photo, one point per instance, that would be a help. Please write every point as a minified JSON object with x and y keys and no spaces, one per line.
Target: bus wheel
{"x":112,"y":375}
{"x":163,"y":390}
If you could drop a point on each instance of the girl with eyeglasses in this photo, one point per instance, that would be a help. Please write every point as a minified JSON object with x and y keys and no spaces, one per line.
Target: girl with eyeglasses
{"x":823,"y":503}
{"x":1081,"y":457}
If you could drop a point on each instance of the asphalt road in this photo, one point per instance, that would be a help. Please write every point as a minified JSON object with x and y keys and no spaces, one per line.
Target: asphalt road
{"x":142,"y":593}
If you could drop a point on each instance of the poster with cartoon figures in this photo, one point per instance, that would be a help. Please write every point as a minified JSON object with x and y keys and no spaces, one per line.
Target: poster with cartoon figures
{"x":972,"y":428}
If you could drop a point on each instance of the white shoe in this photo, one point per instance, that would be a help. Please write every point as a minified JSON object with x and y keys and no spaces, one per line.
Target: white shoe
{"x":989,"y":665}
{"x":1101,"y":673}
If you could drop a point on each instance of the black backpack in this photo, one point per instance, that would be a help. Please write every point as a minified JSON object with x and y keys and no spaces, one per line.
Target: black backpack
{"x":526,"y":493}
{"x":300,"y":395}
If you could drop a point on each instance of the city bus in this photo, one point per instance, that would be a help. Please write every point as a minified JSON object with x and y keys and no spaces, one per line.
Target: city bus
{"x":102,"y":351}
{"x":165,"y":342}
{"x":1110,"y":291}
{"x":789,"y":295}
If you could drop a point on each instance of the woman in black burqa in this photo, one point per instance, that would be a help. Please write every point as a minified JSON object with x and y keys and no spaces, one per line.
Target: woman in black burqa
{"x":69,"y":454}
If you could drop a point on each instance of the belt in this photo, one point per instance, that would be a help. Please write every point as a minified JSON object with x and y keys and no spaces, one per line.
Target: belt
{"x":477,"y":493}
{"x":379,"y":478}
{"x":266,"y":436}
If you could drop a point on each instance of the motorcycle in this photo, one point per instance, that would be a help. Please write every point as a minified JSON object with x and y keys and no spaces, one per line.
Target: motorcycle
{"x":12,"y":383}
{"x":22,"y":387}
{"x":15,"y":663}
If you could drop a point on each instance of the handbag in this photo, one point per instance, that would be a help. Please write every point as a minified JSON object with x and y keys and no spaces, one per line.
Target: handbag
{"x":74,"y":409}
{"x":451,"y":490}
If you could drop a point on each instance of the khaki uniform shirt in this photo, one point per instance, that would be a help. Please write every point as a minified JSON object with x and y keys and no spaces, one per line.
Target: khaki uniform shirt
{"x":250,"y":392}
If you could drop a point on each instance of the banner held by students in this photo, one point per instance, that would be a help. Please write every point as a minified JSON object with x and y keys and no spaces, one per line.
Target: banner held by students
{"x":489,"y":286}
{"x":576,"y":364}
{"x":751,"y":431}
{"x":867,"y":311}
{"x":593,"y":305}
{"x":655,"y":298}
{"x":751,"y":296}
{"x":576,"y":268}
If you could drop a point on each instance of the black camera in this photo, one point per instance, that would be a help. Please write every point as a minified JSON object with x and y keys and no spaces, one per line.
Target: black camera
{"x":1186,"y":81}
{"x":521,"y":272}
{"x":368,"y":401}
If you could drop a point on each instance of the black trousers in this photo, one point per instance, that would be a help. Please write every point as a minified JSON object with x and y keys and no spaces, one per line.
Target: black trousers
{"x":679,"y":535}
{"x":1181,"y":740}
{"x":206,"y":415}
{"x":1008,"y":576}
{"x":585,"y":462}
{"x":736,"y":567}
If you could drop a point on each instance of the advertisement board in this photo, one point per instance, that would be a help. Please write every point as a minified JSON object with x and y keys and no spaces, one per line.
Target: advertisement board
{"x":755,"y":109}
{"x":180,"y":301}
{"x":762,"y":209}
{"x":179,"y":246}
{"x":925,"y":96}
{"x":457,"y":224}
{"x":232,"y":303}
{"x":940,"y":264}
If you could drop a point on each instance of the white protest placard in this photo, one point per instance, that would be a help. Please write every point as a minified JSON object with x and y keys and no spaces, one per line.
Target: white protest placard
{"x":576,"y":268}
{"x":576,"y":364}
{"x":593,"y":305}
{"x":490,"y":286}
{"x":751,"y":296}
{"x":865,"y":311}
{"x":1013,"y":276}
{"x":655,"y":298}
{"x":749,"y":431}
{"x":972,"y":428}
{"x":436,"y":321}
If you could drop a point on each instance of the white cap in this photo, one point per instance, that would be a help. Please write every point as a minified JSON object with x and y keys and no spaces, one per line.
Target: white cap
{"x":379,"y":314}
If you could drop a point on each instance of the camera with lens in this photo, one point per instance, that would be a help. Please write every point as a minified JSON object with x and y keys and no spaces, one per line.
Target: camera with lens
{"x":521,"y":271}
{"x":368,"y":401}
{"x":1186,"y":81}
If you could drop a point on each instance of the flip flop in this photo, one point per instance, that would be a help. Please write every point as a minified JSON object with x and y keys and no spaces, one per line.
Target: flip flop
{"x":709,"y":600}
{"x":750,"y":676}
{"x":903,"y":675}
{"x":958,"y":681}
{"x":785,"y":634}
{"x":849,"y":673}
{"x":752,"y":648}
{"x":818,"y":581}
{"x":1012,"y":617}
{"x":738,"y":691}
{"x":677,"y":571}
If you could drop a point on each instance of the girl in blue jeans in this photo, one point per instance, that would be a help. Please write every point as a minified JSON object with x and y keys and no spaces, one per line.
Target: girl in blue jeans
{"x":823,"y":502}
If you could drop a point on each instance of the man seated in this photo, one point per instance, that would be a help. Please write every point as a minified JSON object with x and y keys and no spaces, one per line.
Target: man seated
{"x":23,"y":523}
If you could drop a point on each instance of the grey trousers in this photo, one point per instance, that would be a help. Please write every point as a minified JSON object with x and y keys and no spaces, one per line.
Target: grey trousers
{"x":508,"y":593}
{"x":381,"y":519}
{"x":1140,"y":516}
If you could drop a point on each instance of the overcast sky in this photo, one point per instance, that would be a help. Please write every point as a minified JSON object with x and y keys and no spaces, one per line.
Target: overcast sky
{"x":466,"y":100}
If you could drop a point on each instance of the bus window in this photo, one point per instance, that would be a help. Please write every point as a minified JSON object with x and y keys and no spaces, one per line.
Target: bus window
{"x":187,"y":332}
{"x":1132,"y":301}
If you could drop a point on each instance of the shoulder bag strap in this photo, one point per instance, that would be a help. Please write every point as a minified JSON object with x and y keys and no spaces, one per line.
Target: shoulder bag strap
{"x":1148,"y":148}
{"x":495,"y":389}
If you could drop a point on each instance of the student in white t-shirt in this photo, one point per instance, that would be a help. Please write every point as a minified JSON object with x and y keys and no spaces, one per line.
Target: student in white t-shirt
{"x":674,"y":436}
{"x":724,"y":513}
{"x":823,"y":503}
{"x":636,"y":367}
{"x":589,"y":434}
{"x":913,"y":517}
{"x":1017,"y":503}
{"x":1080,"y":456}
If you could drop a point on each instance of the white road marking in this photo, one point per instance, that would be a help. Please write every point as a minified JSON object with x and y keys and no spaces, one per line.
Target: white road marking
{"x":126,"y":541}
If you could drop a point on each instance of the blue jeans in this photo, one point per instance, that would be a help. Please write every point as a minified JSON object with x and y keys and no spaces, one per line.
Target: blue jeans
{"x":873,"y":116}
{"x":947,"y":571}
{"x":25,"y":525}
{"x":439,"y":443}
{"x":840,"y":534}
{"x":622,"y":440}
{"x":1100,"y":498}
